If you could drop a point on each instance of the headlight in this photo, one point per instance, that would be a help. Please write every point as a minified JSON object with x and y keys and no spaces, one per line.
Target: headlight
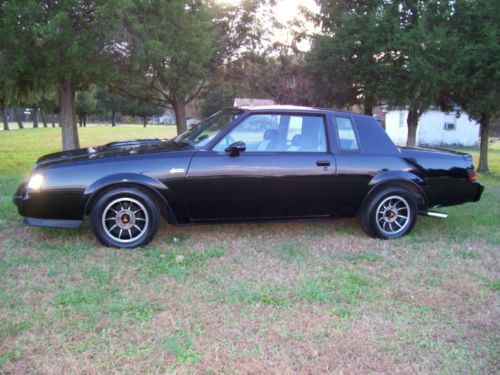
{"x":35,"y":182}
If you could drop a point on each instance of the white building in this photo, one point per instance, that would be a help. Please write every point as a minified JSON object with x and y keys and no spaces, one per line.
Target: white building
{"x":435,"y":128}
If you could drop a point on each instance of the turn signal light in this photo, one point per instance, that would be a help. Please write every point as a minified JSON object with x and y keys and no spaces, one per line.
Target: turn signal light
{"x":472,"y":174}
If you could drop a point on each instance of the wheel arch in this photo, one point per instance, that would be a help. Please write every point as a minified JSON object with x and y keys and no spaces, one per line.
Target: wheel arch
{"x":408,"y":181}
{"x":151,"y":186}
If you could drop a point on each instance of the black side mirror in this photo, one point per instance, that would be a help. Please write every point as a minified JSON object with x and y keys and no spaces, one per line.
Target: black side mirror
{"x":236,"y":148}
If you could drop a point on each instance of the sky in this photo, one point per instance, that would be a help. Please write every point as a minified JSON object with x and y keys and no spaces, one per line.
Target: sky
{"x":286,"y":11}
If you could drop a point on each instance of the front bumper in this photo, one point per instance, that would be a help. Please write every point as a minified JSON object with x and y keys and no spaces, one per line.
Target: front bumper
{"x":34,"y":207}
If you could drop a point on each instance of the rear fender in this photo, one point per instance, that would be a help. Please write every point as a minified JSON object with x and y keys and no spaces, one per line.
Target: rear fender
{"x":413,"y":183}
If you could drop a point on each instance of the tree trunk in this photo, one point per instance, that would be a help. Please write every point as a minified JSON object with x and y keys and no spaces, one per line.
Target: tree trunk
{"x":80,"y":119}
{"x":180,"y":115}
{"x":18,"y":114}
{"x":67,"y":120}
{"x":113,"y":118}
{"x":368,"y":105}
{"x":144,"y":121}
{"x":34,"y":115}
{"x":483,"y":149}
{"x":84,"y":120}
{"x":43,"y":115}
{"x":5,"y":118}
{"x":412,"y":122}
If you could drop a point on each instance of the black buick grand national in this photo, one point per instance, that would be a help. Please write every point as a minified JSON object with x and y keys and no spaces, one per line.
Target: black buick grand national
{"x":257,"y":163}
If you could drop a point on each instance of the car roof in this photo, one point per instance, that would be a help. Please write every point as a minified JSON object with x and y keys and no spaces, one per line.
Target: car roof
{"x":292,"y":108}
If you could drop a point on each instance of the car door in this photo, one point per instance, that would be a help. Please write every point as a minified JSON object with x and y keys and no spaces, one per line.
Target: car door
{"x":287,"y":170}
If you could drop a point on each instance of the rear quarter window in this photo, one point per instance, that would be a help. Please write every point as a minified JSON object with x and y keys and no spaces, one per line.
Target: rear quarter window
{"x":348,"y":140}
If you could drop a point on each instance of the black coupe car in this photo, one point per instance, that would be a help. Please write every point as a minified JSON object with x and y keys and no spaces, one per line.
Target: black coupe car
{"x":276,"y":162}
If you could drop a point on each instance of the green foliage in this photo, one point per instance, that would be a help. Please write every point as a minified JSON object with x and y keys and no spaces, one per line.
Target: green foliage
{"x":216,"y":99}
{"x":76,"y":41}
{"x":85,"y":102}
{"x":476,"y":66}
{"x":349,"y":60}
{"x":182,"y":59}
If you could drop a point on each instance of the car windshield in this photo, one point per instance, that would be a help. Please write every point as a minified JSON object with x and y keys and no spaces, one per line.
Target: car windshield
{"x":199,"y":136}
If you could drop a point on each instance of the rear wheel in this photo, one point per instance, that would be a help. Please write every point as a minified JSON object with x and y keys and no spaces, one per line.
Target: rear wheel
{"x":391,"y":213}
{"x":125,"y":218}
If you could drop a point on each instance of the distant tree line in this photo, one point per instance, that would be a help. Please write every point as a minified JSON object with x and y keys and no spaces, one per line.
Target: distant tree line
{"x":135,"y":56}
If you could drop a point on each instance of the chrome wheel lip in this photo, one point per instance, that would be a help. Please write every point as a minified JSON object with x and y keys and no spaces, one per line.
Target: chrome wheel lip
{"x":393,"y":215}
{"x":109,"y":223}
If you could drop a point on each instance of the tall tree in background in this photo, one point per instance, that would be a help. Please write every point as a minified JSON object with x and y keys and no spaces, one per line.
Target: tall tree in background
{"x":347,"y":60}
{"x":142,"y":109}
{"x":76,"y":42}
{"x":85,"y":104}
{"x":17,"y":68}
{"x":476,"y":67}
{"x":184,"y":58}
{"x":419,"y":54}
{"x":109,"y":102}
{"x":277,"y":76}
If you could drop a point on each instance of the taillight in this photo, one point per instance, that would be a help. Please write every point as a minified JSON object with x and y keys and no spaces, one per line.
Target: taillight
{"x":472,"y":174}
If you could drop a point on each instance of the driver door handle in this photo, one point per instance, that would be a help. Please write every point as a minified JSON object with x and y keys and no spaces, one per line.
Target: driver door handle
{"x":322,"y":163}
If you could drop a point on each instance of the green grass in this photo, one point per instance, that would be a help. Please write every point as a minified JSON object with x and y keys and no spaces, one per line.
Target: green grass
{"x":268,"y":297}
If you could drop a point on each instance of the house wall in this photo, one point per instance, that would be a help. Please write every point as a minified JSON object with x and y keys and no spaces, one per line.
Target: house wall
{"x":431,"y":129}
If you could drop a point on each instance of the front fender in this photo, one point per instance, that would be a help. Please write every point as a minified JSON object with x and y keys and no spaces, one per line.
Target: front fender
{"x":124,"y":178}
{"x":161,"y":191}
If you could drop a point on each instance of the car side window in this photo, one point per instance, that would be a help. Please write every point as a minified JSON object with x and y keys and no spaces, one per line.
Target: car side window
{"x":278,"y":133}
{"x":347,"y":135}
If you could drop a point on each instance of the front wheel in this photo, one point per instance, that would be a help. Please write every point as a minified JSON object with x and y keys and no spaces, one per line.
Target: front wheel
{"x":391,"y":213}
{"x":125,"y":218}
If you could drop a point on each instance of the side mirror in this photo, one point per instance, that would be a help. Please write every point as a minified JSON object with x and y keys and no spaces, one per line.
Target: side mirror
{"x":236,"y":148}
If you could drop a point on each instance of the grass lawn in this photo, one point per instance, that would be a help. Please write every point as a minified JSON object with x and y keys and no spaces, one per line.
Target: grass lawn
{"x":304,"y":297}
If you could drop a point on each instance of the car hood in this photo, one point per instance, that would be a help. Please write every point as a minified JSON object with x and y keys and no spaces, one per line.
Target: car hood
{"x":111,"y":150}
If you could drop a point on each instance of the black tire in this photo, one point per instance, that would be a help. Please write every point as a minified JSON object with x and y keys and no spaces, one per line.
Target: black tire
{"x":390,"y":213}
{"x":125,"y":218}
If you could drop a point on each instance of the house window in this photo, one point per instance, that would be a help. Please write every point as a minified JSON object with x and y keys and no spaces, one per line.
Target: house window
{"x":449,"y":126}
{"x":401,"y":119}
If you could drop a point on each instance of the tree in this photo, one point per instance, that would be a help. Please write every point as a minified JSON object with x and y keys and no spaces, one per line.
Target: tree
{"x":17,"y":73}
{"x":134,"y":107}
{"x":47,"y":102}
{"x":184,"y":58}
{"x":3,"y":109}
{"x":476,"y":69}
{"x":216,"y":99}
{"x":419,"y":57}
{"x":85,"y":105}
{"x":19,"y":116}
{"x":77,"y":45}
{"x":108,"y":101}
{"x":348,"y":60}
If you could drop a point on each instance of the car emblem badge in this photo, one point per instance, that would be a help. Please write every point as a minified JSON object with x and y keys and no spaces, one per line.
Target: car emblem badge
{"x":176,"y":170}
